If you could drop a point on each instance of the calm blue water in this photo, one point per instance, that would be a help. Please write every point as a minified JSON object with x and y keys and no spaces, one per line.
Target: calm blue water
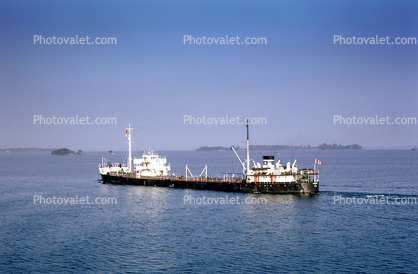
{"x":152,"y":230}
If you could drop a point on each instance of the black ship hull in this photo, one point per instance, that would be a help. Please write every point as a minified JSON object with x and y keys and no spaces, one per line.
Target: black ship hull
{"x":302,"y":187}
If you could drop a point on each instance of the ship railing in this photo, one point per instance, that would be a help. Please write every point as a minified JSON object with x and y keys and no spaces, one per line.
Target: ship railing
{"x":194,"y":179}
{"x":112,"y":165}
{"x":308,"y":171}
{"x":208,"y":179}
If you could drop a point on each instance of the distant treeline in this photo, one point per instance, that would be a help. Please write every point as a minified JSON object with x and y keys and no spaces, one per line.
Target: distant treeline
{"x":28,"y":149}
{"x":282,"y":147}
{"x":61,"y":151}
{"x":335,"y":146}
{"x":65,"y":151}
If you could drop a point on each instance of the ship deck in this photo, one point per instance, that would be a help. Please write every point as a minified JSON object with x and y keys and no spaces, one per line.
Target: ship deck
{"x":181,"y":178}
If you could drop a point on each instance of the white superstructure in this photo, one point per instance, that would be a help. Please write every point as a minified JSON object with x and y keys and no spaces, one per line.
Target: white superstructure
{"x":149,"y":165}
{"x":276,"y":173}
{"x":271,"y":172}
{"x":115,"y":168}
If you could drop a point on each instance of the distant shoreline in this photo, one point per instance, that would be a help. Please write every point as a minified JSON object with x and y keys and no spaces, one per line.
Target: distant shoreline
{"x":29,"y":149}
{"x":285,"y":147}
{"x":49,"y":150}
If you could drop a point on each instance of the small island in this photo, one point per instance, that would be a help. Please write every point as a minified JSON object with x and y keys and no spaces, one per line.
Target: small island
{"x":110,"y":152}
{"x":65,"y":151}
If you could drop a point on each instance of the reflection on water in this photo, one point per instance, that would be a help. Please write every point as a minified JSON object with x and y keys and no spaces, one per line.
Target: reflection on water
{"x":152,"y":229}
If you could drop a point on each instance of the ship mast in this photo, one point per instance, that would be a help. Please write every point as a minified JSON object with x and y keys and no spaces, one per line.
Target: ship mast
{"x":128,"y":134}
{"x":248,"y":151}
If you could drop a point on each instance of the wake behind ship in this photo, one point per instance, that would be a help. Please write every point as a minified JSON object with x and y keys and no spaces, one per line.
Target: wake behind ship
{"x":271,"y":177}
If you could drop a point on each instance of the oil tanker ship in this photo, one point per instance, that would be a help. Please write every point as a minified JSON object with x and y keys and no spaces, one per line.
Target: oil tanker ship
{"x":270,"y":177}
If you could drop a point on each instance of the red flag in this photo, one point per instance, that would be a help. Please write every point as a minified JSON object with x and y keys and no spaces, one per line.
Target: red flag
{"x":318,"y":162}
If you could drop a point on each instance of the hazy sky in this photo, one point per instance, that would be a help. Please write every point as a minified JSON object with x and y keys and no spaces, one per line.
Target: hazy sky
{"x":151,"y":79}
